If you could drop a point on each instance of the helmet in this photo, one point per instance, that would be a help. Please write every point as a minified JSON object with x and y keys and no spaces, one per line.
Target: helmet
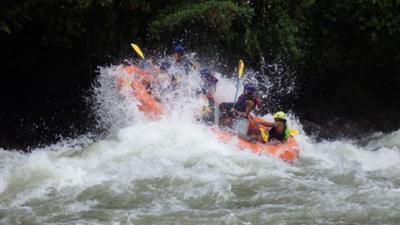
{"x":280,"y":115}
{"x":204,"y":73}
{"x":179,"y":49}
{"x":250,"y":88}
{"x":165,"y":66}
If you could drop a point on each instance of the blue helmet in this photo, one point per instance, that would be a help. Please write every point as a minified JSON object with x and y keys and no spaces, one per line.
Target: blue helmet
{"x":250,"y":88}
{"x":179,"y":49}
{"x":165,"y":66}
{"x":204,"y":73}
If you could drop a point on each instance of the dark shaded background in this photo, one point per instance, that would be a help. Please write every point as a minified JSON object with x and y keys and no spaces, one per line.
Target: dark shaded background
{"x":43,"y":92}
{"x":344,"y":57}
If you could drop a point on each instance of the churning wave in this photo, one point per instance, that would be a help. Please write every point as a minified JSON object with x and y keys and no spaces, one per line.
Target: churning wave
{"x":175,"y":171}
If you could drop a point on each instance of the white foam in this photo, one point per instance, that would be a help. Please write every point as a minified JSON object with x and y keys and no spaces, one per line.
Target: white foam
{"x":176,"y":163}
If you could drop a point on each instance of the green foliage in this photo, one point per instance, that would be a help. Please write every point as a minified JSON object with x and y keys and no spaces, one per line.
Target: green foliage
{"x":215,"y":14}
{"x":323,"y":41}
{"x":205,"y":24}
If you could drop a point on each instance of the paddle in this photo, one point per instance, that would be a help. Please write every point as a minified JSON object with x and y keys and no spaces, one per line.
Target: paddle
{"x":137,"y":50}
{"x":293,"y":132}
{"x":264,"y":135}
{"x":240,"y":74}
{"x":140,"y":53}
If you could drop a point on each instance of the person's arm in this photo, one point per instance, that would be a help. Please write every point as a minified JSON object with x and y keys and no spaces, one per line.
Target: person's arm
{"x":249,"y":108}
{"x":267,"y":124}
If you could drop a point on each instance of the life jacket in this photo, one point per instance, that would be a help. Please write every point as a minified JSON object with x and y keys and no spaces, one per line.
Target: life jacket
{"x":240,"y":104}
{"x":280,"y":137}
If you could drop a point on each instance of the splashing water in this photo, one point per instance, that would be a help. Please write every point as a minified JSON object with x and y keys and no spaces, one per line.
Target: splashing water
{"x":175,"y":171}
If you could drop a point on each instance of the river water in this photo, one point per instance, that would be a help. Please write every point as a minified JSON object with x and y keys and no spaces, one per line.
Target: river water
{"x":174,"y":171}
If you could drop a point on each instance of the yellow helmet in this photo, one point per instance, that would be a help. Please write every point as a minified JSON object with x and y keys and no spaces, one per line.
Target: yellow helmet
{"x":280,"y":115}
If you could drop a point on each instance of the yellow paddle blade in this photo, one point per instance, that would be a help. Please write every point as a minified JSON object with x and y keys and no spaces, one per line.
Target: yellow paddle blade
{"x":293,"y":132}
{"x":241,"y":68}
{"x":206,"y":109}
{"x":264,"y":135}
{"x":137,"y":50}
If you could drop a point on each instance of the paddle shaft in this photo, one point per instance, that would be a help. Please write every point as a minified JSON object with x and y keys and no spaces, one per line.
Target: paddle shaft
{"x":237,"y":91}
{"x":240,"y":74}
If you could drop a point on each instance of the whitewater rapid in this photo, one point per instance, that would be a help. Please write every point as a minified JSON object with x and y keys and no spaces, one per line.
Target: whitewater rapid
{"x":175,"y":171}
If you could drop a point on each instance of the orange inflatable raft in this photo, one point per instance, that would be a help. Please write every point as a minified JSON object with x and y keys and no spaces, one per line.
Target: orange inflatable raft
{"x":138,"y":82}
{"x":287,"y":151}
